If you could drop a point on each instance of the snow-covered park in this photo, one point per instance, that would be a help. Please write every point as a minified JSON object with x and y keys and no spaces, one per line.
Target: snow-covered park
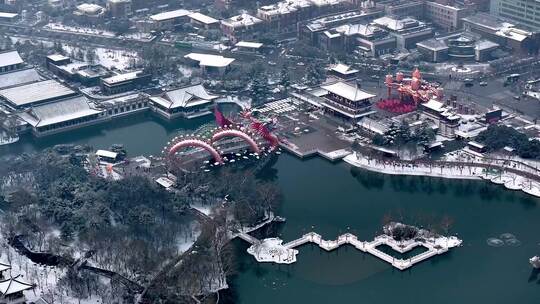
{"x":109,"y":58}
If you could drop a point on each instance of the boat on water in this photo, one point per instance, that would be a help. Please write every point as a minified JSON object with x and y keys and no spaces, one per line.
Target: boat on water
{"x":535,"y":261}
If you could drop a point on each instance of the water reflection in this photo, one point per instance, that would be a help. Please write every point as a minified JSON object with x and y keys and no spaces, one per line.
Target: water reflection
{"x":534,"y":276}
{"x":485,"y":190}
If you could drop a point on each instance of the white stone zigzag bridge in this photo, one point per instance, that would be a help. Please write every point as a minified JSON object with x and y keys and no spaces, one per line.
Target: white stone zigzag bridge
{"x":272,"y":250}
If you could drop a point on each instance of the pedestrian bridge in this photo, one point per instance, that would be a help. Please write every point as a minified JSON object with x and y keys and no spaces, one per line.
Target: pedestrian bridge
{"x":273,"y":250}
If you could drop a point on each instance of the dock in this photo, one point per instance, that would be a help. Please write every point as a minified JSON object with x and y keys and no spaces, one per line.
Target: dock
{"x":273,"y":250}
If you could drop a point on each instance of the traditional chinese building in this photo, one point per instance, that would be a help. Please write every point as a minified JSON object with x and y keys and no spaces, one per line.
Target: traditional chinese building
{"x":347,"y":101}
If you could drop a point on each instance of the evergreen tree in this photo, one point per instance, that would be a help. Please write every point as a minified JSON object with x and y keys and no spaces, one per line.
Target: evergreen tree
{"x":285,"y":77}
{"x":315,"y":74}
{"x":91,"y":56}
{"x":424,"y":135}
{"x":259,"y":89}
{"x":79,"y":54}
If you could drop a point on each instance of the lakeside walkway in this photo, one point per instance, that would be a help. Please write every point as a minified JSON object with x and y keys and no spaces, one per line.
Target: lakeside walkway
{"x":274,"y":251}
{"x":512,"y":174}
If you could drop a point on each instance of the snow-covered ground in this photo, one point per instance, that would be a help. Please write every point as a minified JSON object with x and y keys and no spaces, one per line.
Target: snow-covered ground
{"x":77,"y":29}
{"x":23,"y":40}
{"x":185,"y":70}
{"x":50,"y":282}
{"x":272,"y":250}
{"x":421,"y":170}
{"x":120,"y":59}
{"x":206,"y":209}
{"x":465,"y":69}
{"x":5,"y":139}
{"x":109,"y":58}
{"x":138,"y":36}
{"x":244,"y":103}
{"x":188,"y":237}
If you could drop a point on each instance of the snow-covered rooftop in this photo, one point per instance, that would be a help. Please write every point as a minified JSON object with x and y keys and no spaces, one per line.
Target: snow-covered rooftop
{"x":486,"y":44}
{"x":282,"y":8}
{"x":170,"y":15}
{"x":165,"y":182}
{"x":289,"y":6}
{"x":121,"y":77}
{"x":476,"y":144}
{"x":332,"y":34}
{"x":247,"y":44}
{"x":64,"y":110}
{"x":398,"y":24}
{"x":18,"y":78}
{"x":433,"y":44}
{"x":8,"y":15}
{"x":120,"y":100}
{"x":210,"y":60}
{"x":242,"y":20}
{"x":13,"y":285}
{"x":10,"y":58}
{"x":57,"y":57}
{"x":90,"y":8}
{"x":434,"y":105}
{"x":347,"y":91}
{"x":106,"y":153}
{"x":4,"y":267}
{"x":73,"y":67}
{"x":365,"y":30}
{"x":513,"y":34}
{"x":36,"y":92}
{"x":184,"y":97}
{"x":343,"y":69}
{"x":203,"y":18}
{"x":488,"y":21}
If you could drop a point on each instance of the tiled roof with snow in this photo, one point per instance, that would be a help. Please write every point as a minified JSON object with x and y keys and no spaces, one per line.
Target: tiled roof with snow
{"x":10,"y":58}
{"x":60,"y":111}
{"x":184,"y":97}
{"x":347,"y":91}
{"x":13,"y":285}
{"x":18,"y":78}
{"x":36,"y":92}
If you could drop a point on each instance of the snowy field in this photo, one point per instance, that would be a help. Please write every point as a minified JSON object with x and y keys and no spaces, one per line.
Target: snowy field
{"x":77,"y":29}
{"x":109,"y":58}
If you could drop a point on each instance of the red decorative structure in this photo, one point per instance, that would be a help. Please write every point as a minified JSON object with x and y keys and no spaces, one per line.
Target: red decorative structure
{"x":248,"y":128}
{"x":236,"y":133}
{"x":414,"y":89}
{"x":265,"y":133}
{"x":256,"y":126}
{"x":194,"y":142}
{"x":221,"y":120}
{"x":396,"y":106}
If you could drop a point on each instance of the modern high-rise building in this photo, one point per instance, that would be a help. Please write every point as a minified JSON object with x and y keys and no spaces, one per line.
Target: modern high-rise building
{"x":526,"y":12}
{"x":446,"y":16}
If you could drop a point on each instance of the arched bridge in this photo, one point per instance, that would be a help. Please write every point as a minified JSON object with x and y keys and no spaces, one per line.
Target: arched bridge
{"x":223,"y":133}
{"x":212,"y":142}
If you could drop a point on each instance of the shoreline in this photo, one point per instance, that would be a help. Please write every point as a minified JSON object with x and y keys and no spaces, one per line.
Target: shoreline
{"x":508,"y":180}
